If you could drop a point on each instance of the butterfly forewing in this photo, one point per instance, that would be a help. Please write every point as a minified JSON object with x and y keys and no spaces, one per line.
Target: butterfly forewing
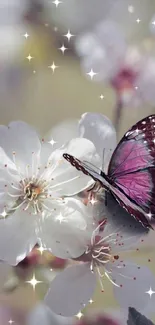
{"x":132,"y":168}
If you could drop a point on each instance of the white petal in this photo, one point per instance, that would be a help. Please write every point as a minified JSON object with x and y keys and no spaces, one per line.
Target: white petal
{"x":17,"y":236}
{"x":5,"y":269}
{"x":66,"y":178}
{"x":77,"y":283}
{"x":66,"y":238}
{"x":20,"y":142}
{"x":63,"y":132}
{"x":136,"y":281}
{"x":98,"y":129}
{"x":42,"y":315}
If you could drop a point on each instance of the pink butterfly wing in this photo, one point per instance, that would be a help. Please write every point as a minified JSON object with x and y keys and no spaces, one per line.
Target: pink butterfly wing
{"x":132,"y":169}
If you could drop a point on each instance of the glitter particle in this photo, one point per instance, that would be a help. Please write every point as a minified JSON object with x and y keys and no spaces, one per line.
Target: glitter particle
{"x":150,"y":292}
{"x":53,"y":67}
{"x":69,"y":35}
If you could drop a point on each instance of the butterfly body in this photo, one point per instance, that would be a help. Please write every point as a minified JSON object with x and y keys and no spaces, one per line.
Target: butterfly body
{"x":131,"y":172}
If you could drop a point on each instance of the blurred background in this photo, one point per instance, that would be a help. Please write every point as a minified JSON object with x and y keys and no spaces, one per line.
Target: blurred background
{"x":46,"y":52}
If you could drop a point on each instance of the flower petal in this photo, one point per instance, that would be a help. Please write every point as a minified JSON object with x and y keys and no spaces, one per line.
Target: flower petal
{"x":20,"y":142}
{"x":42,"y":315}
{"x":17,"y":236}
{"x":99,"y":129}
{"x":77,"y":283}
{"x":5,"y":269}
{"x":66,"y":178}
{"x":67,"y":230}
{"x":135,"y":281}
{"x":63,"y":132}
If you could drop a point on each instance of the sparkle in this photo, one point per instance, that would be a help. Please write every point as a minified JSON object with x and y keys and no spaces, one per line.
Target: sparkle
{"x":60,"y":218}
{"x":153,"y":23}
{"x":52,"y":142}
{"x":79,"y":315}
{"x":91,"y":73}
{"x":136,"y":88}
{"x":150,"y":292}
{"x":101,"y":96}
{"x":53,"y":67}
{"x":41,"y":249}
{"x":4,"y":214}
{"x":63,"y":48}
{"x":26,"y":35}
{"x":57,"y":2}
{"x":34,"y":71}
{"x":91,"y":301}
{"x":69,"y":35}
{"x":11,"y":321}
{"x":138,"y":21}
{"x":29,"y":57}
{"x":33,"y":282}
{"x":131,"y":9}
{"x":93,"y":201}
{"x":153,"y":140}
{"x":149,"y":215}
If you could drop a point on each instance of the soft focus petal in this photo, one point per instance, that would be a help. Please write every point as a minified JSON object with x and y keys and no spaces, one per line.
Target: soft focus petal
{"x":7,"y":314}
{"x":42,"y":315}
{"x":63,"y":132}
{"x":21,"y":143}
{"x":66,"y":179}
{"x":146,"y":82}
{"x":77,"y":283}
{"x":85,"y":43}
{"x":135,"y":281}
{"x":98,"y":129}
{"x":67,"y":230}
{"x":4,"y":275}
{"x":17,"y":236}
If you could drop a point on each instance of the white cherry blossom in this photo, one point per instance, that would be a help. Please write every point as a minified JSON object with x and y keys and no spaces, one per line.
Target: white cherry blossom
{"x":103,"y":258}
{"x":34,"y":183}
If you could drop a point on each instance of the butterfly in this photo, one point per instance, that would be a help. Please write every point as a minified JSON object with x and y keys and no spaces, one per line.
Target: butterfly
{"x":131,"y":171}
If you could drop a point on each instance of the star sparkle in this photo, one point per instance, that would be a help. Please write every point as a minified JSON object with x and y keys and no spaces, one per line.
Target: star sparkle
{"x":29,"y":57}
{"x":11,"y":321}
{"x":53,"y":67}
{"x":4,"y":214}
{"x":26,"y":35}
{"x":69,"y":35}
{"x":149,"y":215}
{"x":101,"y":96}
{"x":33,"y":282}
{"x":150,"y":292}
{"x":52,"y":142}
{"x":91,"y":74}
{"x":93,"y":201}
{"x":41,"y":249}
{"x":138,"y":21}
{"x":79,"y":315}
{"x":60,"y":218}
{"x":57,"y":2}
{"x":63,"y":48}
{"x":91,"y":301}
